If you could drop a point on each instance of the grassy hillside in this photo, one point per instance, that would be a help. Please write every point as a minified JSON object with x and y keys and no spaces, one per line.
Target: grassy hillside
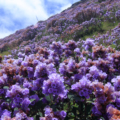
{"x":82,"y":20}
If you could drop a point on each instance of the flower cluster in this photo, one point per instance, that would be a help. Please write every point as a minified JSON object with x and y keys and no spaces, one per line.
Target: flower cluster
{"x":84,"y":87}
{"x":50,"y":115}
{"x":54,"y":85}
{"x":32,"y":81}
{"x":51,"y":79}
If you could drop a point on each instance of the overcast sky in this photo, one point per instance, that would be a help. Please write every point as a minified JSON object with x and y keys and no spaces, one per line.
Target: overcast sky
{"x":18,"y":14}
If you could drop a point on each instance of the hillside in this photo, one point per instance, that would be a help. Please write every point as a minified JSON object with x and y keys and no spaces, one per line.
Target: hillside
{"x":64,"y":68}
{"x":79,"y":21}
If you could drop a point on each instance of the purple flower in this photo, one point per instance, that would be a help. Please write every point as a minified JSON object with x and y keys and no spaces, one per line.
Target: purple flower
{"x":77,"y":51}
{"x":21,"y":116}
{"x":117,"y":102}
{"x":54,"y":85}
{"x":95,"y":111}
{"x":84,"y":87}
{"x":88,"y":44}
{"x":30,"y":72}
{"x":63,"y":114}
{"x":35,"y":99}
{"x":25,"y":91}
{"x":6,"y":115}
{"x":116,"y":82}
{"x":41,"y":70}
{"x":25,"y":103}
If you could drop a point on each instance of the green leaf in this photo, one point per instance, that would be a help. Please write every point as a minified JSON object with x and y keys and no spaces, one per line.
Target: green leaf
{"x":34,"y":117}
{"x":40,"y":104}
{"x":89,"y":102}
{"x":102,"y":118}
{"x":88,"y":108}
{"x":8,"y":100}
{"x":31,"y":100}
{"x":6,"y":87}
{"x":49,"y":98}
{"x":77,"y":98}
{"x":15,"y":109}
{"x":40,"y":114}
{"x":71,"y":96}
{"x":74,"y":110}
{"x":37,"y":117}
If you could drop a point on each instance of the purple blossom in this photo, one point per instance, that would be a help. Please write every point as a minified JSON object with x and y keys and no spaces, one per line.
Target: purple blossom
{"x":83,"y":87}
{"x":54,"y":85}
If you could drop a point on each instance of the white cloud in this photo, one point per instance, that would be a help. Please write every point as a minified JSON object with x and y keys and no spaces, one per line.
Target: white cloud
{"x":18,"y":14}
{"x":4,"y":32}
{"x":65,"y":7}
{"x":59,"y":1}
{"x":27,"y":9}
{"x":63,"y":2}
{"x":23,"y":12}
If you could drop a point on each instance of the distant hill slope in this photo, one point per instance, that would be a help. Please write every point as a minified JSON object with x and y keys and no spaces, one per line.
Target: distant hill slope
{"x":81,"y":19}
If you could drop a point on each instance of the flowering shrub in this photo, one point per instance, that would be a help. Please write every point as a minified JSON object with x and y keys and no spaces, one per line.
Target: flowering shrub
{"x":63,"y":81}
{"x":76,"y":80}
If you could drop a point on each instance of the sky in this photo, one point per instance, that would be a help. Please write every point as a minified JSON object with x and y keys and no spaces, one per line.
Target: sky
{"x":18,"y":14}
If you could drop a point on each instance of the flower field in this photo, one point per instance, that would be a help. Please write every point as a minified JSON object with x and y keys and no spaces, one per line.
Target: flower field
{"x":49,"y":78}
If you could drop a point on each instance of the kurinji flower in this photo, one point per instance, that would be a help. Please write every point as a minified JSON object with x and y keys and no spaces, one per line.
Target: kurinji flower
{"x":27,"y":84}
{"x":96,"y":74}
{"x":25,"y":103}
{"x":25,"y":91}
{"x":21,"y":116}
{"x":95,"y":111}
{"x":88,"y":44}
{"x":54,"y":85}
{"x":6,"y":115}
{"x":5,"y":105}
{"x":50,"y":115}
{"x":117,"y":102}
{"x":84,"y":87}
{"x":48,"y":111}
{"x":37,"y":84}
{"x":57,"y":47}
{"x":24,"y":63}
{"x":41,"y":70}
{"x":117,"y":14}
{"x":35,"y":98}
{"x":30,"y":72}
{"x":99,"y":51}
{"x":63,"y":113}
{"x":36,"y":62}
{"x":93,"y":70}
{"x":114,"y":113}
{"x":71,"y":65}
{"x":68,"y":53}
{"x":77,"y":77}
{"x":44,"y":52}
{"x":103,"y":93}
{"x":63,"y":69}
{"x":2,"y":81}
{"x":51,"y":69}
{"x":15,"y":90}
{"x":116,"y":82}
{"x":71,"y":45}
{"x":21,"y":55}
{"x":18,"y":61}
{"x":77,"y":51}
